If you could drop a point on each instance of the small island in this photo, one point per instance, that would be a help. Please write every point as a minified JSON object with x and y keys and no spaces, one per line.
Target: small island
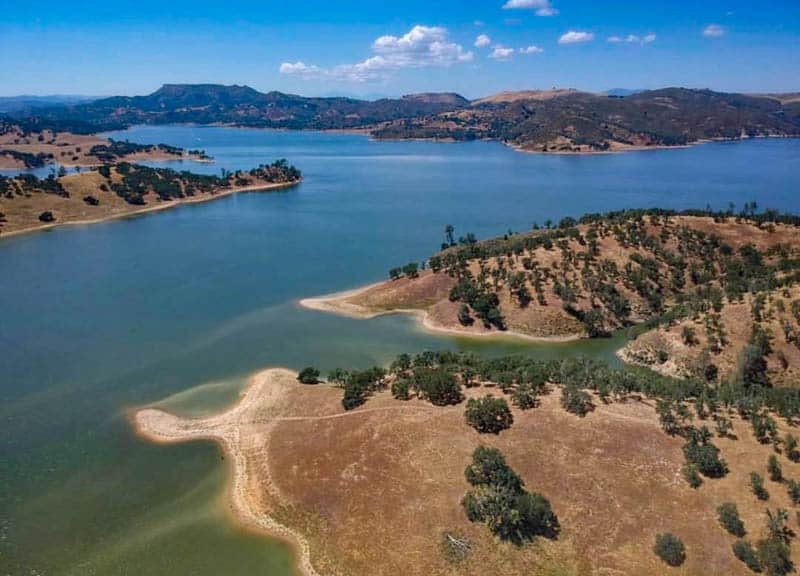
{"x":28,"y":203}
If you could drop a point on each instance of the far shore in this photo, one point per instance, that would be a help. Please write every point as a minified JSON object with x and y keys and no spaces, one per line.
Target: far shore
{"x":222,"y":193}
{"x":338,"y":303}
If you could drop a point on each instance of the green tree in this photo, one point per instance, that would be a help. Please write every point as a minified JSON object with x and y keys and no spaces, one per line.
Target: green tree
{"x":774,"y":468}
{"x":730,"y":520}
{"x":670,"y":549}
{"x":757,"y":486}
{"x":745,"y":552}
{"x":489,"y":414}
{"x":308,"y":375}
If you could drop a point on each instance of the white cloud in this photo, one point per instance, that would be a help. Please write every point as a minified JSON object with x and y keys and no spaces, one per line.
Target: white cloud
{"x":531,"y":50}
{"x":575,"y":37}
{"x":502,"y":53}
{"x":542,"y":7}
{"x":632,"y":39}
{"x":301,"y":69}
{"x":420,"y":47}
{"x":482,"y":41}
{"x":479,"y":23}
{"x":713,"y":31}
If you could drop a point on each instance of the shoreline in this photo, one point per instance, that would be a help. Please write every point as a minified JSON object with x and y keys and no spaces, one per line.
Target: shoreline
{"x":224,"y":429}
{"x":336,"y":304}
{"x":153,"y":208}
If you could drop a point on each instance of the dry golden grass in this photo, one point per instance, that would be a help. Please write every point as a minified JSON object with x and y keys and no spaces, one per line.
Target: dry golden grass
{"x":429,"y":293}
{"x":375,"y":490}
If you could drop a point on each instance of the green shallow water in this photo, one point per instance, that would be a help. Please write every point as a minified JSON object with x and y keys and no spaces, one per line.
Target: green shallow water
{"x":179,"y":308}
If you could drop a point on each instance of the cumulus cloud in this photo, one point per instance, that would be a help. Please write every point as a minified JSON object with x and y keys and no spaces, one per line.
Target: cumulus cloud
{"x":420,"y":47}
{"x":531,"y":50}
{"x":482,"y":41}
{"x":632,"y":39}
{"x":501,"y":53}
{"x":575,"y":37}
{"x":541,"y":7}
{"x":713,"y":31}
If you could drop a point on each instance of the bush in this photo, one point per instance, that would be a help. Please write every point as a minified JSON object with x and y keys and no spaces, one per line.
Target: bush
{"x":794,"y":491}
{"x":47,"y":217}
{"x":703,"y":454}
{"x":576,"y":401}
{"x":729,"y":518}
{"x":525,"y":397}
{"x":670,"y":549}
{"x":745,"y":552}
{"x":757,"y":486}
{"x":489,"y":414}
{"x":308,"y":375}
{"x":774,"y":557}
{"x":774,"y":469}
{"x":401,"y":389}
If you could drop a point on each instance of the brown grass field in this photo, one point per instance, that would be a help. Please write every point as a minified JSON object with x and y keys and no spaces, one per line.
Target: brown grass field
{"x":374,"y":491}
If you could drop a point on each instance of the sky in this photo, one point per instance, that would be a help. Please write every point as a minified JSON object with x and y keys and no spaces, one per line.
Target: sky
{"x":370,"y":49}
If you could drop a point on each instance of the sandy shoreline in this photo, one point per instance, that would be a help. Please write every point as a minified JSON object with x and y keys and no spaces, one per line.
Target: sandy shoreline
{"x":153,"y":208}
{"x":337,"y":303}
{"x":226,"y":429}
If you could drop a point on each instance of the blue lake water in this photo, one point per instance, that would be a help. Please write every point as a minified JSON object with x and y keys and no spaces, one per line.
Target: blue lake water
{"x":184,"y":304}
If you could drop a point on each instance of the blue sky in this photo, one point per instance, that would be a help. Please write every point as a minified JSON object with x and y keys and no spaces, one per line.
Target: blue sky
{"x":317,"y":47}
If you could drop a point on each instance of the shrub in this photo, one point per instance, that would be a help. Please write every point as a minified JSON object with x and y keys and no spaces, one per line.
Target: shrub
{"x":774,"y":557}
{"x":576,"y":401}
{"x":794,"y":491}
{"x":670,"y":549}
{"x":401,"y":389}
{"x":730,"y":520}
{"x":308,"y":375}
{"x":757,"y":486}
{"x":703,"y":454}
{"x":774,"y":469}
{"x":47,"y":216}
{"x":489,"y":414}
{"x":525,"y":397}
{"x":745,"y":552}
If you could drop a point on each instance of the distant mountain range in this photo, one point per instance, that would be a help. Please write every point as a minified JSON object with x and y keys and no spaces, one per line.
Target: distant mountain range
{"x":551,"y":120}
{"x":23,"y":103}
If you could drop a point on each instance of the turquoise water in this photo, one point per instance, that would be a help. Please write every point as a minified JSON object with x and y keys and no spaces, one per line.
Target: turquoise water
{"x":179,"y":307}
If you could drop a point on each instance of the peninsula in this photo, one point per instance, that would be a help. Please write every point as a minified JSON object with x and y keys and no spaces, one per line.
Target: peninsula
{"x":713,"y":287}
{"x":121,"y":189}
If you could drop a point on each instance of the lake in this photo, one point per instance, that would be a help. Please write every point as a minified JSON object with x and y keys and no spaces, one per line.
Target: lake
{"x":179,"y":307}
